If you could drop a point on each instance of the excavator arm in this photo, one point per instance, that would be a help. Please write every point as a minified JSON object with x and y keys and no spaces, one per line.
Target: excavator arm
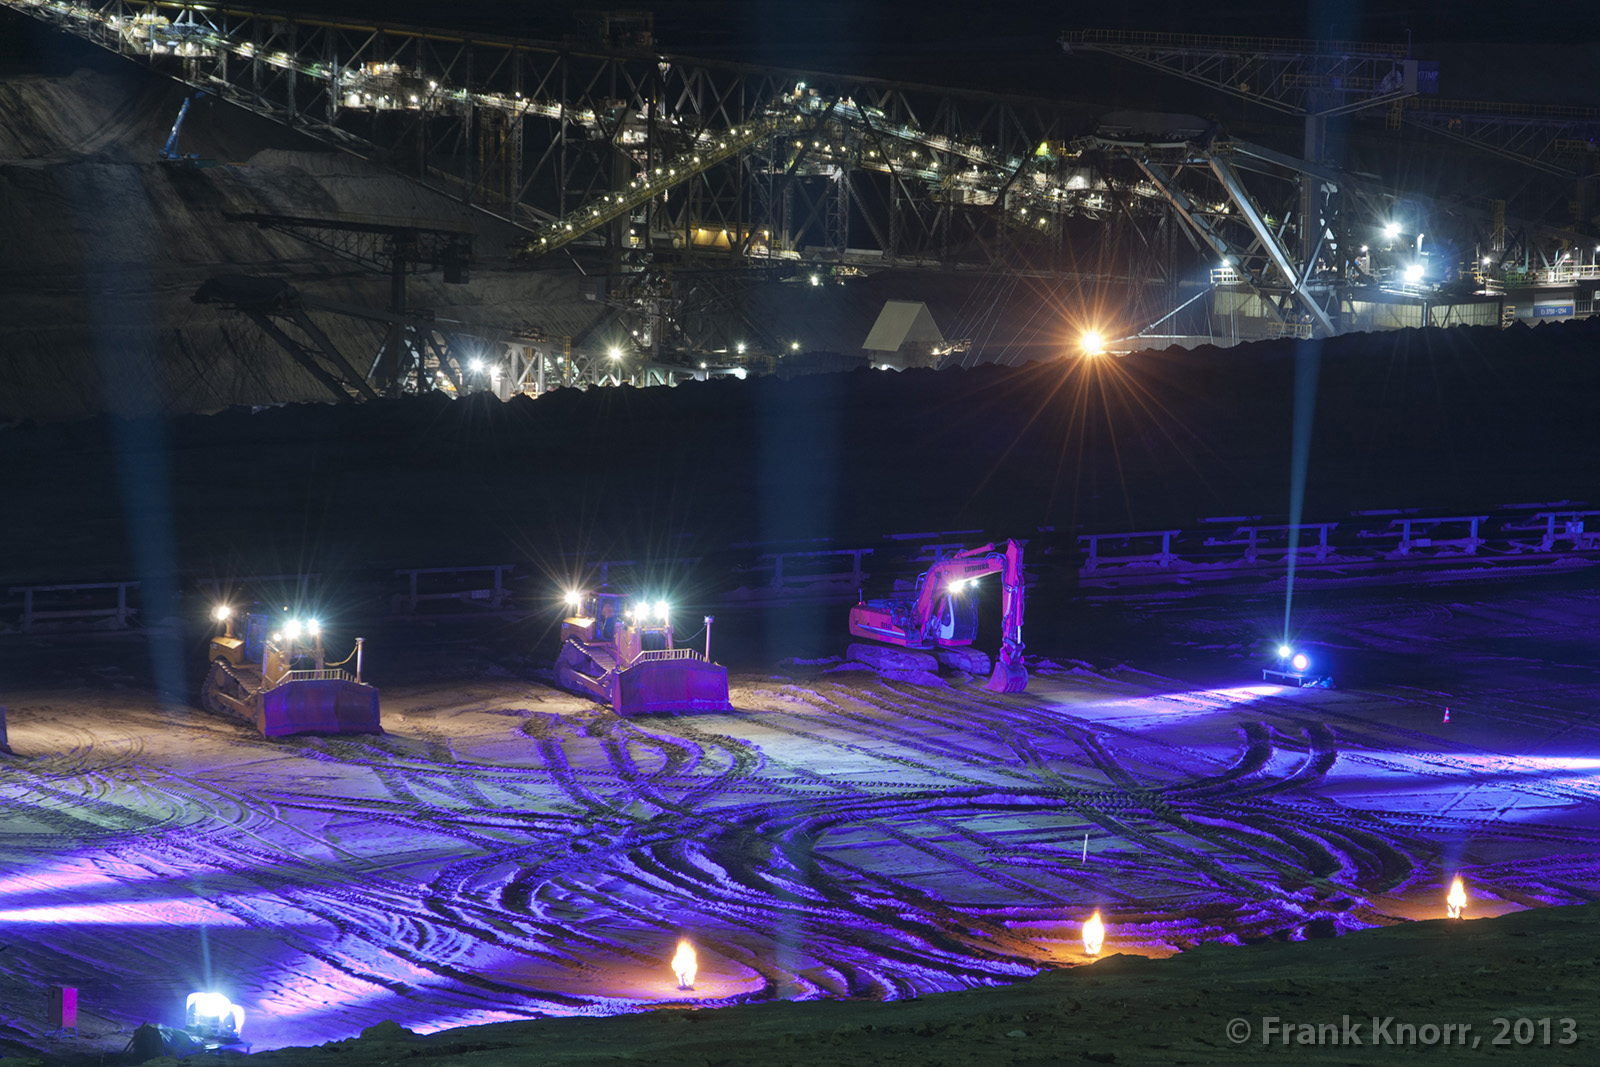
{"x":916,"y":623}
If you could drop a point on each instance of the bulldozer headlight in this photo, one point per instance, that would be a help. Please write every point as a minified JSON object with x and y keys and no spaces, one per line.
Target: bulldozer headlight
{"x":221,"y":612}
{"x":573,"y":596}
{"x":1300,"y":661}
{"x":1284,"y":651}
{"x":291,"y":629}
{"x":312,"y":627}
{"x":661,"y":610}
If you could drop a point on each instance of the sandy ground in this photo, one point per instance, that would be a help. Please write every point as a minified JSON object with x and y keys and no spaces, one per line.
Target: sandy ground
{"x":510,"y":853}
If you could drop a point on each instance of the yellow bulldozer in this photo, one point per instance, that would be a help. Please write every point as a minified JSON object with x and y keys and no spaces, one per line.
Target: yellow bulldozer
{"x":620,"y":651}
{"x":276,"y":676}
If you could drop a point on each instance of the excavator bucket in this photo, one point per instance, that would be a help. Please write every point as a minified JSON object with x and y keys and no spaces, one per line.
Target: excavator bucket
{"x":1008,"y":678}
{"x":671,"y":685}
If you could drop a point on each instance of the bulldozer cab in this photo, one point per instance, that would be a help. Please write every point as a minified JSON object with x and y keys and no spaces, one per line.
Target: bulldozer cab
{"x":616,"y":619}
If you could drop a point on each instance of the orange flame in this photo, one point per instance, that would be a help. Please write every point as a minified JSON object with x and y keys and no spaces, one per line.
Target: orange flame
{"x":1456,"y":900}
{"x":683,"y":965}
{"x":1094,"y":934}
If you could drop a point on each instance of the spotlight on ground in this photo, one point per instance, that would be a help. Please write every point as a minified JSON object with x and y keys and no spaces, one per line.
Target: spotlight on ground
{"x":1297,"y":667}
{"x":213,"y":1017}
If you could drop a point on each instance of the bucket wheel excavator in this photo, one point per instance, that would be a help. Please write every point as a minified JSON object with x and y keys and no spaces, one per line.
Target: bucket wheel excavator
{"x":940,"y":616}
{"x":276,"y":676}
{"x":620,"y":652}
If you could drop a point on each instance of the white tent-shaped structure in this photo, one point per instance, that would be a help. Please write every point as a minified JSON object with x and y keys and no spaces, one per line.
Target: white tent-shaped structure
{"x":905,"y":335}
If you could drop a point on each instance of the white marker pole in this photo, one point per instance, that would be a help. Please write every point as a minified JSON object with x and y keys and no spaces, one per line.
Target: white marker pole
{"x":1085,"y":849}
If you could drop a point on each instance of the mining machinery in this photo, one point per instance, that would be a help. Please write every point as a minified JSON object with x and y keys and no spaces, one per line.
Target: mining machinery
{"x":276,"y":676}
{"x":619,"y":650}
{"x":939,"y":615}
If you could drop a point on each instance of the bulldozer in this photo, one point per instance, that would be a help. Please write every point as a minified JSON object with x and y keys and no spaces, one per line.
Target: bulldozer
{"x":276,"y":676}
{"x":620,"y":652}
{"x":938,"y":619}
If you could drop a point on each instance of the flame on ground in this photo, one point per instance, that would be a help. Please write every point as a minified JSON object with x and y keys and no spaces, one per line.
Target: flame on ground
{"x":1457,"y":899}
{"x":683,"y":965}
{"x":1094,"y":934}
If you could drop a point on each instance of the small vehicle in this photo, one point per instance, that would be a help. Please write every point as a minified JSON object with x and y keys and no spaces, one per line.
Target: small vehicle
{"x":1297,"y":667}
{"x":277,"y":677}
{"x":938,"y":616}
{"x":620,"y":651}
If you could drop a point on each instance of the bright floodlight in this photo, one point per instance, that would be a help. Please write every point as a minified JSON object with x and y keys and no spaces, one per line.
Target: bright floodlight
{"x":291,"y":629}
{"x":1300,"y":661}
{"x":213,"y":1015}
{"x":1414,"y":273}
{"x":739,"y":348}
{"x":573,"y":598}
{"x":794,"y":346}
{"x":1284,"y":651}
{"x":816,"y":279}
{"x":614,"y":352}
{"x":1391,"y":229}
{"x":661,"y":610}
{"x":476,"y":366}
{"x":1092,"y":343}
{"x":1486,"y":261}
{"x":222,"y":612}
{"x":313,"y":627}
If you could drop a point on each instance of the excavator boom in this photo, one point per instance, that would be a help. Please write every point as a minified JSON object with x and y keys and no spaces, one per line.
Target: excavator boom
{"x":934,"y":620}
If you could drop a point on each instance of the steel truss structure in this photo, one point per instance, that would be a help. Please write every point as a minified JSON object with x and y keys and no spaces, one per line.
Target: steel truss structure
{"x":634,"y":152}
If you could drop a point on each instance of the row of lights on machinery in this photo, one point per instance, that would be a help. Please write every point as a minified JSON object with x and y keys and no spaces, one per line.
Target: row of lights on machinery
{"x":294,"y":629}
{"x":641,"y":611}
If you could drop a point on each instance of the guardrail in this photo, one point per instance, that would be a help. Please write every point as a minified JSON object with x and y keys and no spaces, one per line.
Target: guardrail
{"x":1256,"y":538}
{"x":75,"y":594}
{"x":1215,"y":548}
{"x":495,"y":595}
{"x":1097,"y":557}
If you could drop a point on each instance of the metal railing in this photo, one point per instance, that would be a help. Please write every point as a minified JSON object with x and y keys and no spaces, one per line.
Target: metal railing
{"x":1203,"y":42}
{"x":659,"y":654}
{"x":327,"y":674}
{"x":69,"y":600}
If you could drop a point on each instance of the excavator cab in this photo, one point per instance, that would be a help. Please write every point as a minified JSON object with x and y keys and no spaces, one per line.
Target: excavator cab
{"x":940,"y":616}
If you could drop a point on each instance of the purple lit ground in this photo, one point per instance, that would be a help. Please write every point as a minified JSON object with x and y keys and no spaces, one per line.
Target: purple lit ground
{"x":508,"y":851}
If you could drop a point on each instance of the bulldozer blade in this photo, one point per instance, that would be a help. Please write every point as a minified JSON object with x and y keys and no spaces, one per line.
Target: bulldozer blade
{"x":671,"y":685}
{"x":1008,"y":679}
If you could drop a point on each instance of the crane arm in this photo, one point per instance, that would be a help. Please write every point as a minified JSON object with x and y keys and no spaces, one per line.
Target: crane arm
{"x":171,"y":149}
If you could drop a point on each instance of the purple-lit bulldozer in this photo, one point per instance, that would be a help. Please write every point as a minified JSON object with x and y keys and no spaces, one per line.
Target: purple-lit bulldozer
{"x":621,"y":653}
{"x":277,"y":677}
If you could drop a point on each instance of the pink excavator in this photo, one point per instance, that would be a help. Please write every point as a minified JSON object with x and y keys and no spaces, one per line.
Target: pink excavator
{"x":939,"y":616}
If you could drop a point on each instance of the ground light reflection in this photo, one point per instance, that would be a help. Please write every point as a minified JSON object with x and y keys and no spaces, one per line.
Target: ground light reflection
{"x":829,"y":839}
